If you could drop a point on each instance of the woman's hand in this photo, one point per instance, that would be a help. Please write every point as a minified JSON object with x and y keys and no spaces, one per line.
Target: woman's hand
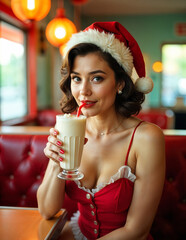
{"x":53,"y":149}
{"x":51,"y":192}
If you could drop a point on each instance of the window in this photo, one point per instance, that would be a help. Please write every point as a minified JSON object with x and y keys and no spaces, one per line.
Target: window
{"x":18,"y":96}
{"x":174,"y":75}
{"x":13,"y":74}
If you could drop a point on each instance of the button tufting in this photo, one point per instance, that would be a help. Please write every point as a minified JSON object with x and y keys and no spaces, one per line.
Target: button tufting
{"x":92,"y":206}
{"x":38,"y":177}
{"x":95,"y":231}
{"x":170,"y":179}
{"x":88,"y":196}
{"x":11,"y":177}
{"x":29,"y":153}
{"x":95,"y":222}
{"x":92,"y":212}
{"x":23,"y":196}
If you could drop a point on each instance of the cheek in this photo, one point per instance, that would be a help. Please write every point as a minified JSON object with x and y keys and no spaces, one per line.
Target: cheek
{"x":107,"y":92}
{"x":74,"y":91}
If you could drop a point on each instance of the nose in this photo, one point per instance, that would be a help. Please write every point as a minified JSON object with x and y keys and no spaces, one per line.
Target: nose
{"x":85,"y":88}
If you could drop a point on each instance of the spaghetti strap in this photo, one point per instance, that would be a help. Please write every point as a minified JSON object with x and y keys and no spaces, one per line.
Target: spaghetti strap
{"x":130,"y":144}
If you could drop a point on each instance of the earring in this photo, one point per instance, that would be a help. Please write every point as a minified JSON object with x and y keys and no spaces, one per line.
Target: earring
{"x":120,"y":92}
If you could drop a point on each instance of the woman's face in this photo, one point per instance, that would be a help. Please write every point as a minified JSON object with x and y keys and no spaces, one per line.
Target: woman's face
{"x":93,"y":82}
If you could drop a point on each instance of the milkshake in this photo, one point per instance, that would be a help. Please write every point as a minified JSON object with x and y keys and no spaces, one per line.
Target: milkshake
{"x":72,"y":133}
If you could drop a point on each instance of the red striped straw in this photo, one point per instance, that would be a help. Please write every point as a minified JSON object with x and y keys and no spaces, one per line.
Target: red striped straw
{"x":79,"y":109}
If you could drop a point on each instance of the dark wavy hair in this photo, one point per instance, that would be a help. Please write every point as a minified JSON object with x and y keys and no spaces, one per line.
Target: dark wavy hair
{"x":128,"y":103}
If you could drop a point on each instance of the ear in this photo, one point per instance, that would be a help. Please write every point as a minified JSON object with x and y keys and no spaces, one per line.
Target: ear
{"x":121,"y":85}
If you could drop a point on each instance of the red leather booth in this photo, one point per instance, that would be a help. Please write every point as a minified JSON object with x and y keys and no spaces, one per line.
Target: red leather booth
{"x":47,"y":117}
{"x":163,"y":118}
{"x":23,"y":163}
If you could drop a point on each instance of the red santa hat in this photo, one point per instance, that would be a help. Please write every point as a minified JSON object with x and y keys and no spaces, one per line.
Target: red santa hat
{"x":113,"y":38}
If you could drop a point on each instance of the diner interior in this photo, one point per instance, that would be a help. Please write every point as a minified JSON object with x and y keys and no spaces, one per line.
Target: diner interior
{"x":31,"y":53}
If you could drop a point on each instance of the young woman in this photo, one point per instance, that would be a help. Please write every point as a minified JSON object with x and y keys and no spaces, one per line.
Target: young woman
{"x":123,"y":160}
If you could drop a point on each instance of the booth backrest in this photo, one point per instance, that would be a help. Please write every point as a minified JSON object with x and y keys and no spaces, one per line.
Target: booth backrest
{"x":23,"y":164}
{"x":170,"y":221}
{"x":22,"y":167}
{"x":163,"y":118}
{"x":47,"y":117}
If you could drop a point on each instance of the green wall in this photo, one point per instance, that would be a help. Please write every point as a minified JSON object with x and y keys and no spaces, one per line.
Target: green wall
{"x":150,"y":31}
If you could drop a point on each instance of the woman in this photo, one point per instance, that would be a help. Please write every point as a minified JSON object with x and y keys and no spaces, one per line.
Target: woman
{"x":123,"y":161}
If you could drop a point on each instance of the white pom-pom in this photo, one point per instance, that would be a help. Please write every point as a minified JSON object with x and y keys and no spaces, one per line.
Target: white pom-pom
{"x":144,"y":85}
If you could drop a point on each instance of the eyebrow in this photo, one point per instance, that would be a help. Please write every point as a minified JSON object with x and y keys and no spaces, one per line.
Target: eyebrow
{"x":91,"y":73}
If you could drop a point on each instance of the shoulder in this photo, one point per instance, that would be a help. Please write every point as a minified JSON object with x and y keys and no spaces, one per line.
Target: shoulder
{"x":149,"y":133}
{"x":149,"y":146}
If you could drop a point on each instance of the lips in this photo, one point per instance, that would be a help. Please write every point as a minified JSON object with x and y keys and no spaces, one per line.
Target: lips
{"x":88,"y":103}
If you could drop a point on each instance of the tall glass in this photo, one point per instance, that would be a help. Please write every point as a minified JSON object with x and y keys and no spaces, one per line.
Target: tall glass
{"x":72,"y":133}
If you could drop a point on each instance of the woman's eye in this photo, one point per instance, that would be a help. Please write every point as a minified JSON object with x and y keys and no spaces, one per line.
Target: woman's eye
{"x":97,"y":79}
{"x":76,"y":79}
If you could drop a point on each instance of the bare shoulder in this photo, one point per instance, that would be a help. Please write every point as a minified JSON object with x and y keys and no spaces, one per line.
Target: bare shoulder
{"x":149,"y":133}
{"x":150,"y":146}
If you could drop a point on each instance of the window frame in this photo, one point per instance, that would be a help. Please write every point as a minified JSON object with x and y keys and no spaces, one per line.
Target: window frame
{"x":169,"y":43}
{"x":7,"y":15}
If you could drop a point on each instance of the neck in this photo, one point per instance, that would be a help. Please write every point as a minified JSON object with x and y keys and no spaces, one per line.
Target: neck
{"x":101,"y":126}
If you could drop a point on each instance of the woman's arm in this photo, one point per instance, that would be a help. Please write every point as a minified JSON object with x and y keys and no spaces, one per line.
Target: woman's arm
{"x":150,"y":173}
{"x":50,"y":194}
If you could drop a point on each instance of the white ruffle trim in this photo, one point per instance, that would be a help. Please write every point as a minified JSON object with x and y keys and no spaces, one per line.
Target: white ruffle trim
{"x":78,"y":235}
{"x":123,"y":172}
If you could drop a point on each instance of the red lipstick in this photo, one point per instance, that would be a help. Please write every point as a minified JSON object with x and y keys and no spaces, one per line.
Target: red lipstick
{"x":88,"y":103}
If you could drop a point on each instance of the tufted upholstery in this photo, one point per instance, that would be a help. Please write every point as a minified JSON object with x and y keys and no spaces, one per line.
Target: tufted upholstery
{"x":22,"y":166}
{"x":170,"y":221}
{"x":163,"y":118}
{"x":47,"y":117}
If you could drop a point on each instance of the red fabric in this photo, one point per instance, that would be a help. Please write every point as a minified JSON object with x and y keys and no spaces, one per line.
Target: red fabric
{"x":171,"y":214}
{"x":130,"y":144}
{"x":22,"y":165}
{"x":109,"y":205}
{"x":47,"y":117}
{"x":124,"y":36}
{"x":158,"y":117}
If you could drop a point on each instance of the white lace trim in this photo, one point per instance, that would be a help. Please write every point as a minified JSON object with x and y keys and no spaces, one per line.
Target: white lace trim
{"x":123,"y":172}
{"x":78,"y":235}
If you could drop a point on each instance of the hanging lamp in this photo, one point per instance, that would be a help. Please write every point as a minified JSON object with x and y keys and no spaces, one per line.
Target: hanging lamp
{"x":60,"y":29}
{"x":62,"y":49}
{"x":31,"y":9}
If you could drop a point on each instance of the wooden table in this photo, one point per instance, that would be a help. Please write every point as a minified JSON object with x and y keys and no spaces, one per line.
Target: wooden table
{"x":28,"y":224}
{"x":34,"y":130}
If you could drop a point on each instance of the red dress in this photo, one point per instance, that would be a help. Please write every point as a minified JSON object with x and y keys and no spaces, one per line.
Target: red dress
{"x":104,"y":210}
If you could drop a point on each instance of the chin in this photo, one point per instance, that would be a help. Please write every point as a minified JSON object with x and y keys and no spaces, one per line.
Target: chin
{"x":89,"y":113}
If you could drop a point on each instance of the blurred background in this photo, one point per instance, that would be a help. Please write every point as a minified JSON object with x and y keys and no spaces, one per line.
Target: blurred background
{"x":31,"y":57}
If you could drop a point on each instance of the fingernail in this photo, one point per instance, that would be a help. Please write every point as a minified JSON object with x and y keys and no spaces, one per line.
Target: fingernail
{"x":60,"y":159}
{"x":59,"y":143}
{"x":61,"y":151}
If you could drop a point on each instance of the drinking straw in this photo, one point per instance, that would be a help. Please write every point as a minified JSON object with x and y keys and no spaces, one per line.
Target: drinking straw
{"x":79,"y":109}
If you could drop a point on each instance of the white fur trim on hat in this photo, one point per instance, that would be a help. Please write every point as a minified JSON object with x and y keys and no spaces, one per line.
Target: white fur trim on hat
{"x":144,"y":85}
{"x":108,"y":43}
